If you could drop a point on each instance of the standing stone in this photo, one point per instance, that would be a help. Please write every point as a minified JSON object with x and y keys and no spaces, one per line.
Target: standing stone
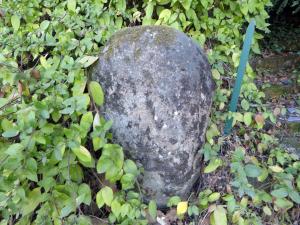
{"x":158,"y":93}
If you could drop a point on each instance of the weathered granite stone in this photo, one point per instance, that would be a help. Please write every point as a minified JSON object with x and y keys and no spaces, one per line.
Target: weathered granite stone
{"x":159,"y":91}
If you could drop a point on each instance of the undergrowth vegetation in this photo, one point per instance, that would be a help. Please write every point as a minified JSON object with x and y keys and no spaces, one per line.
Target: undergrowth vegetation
{"x":280,"y":6}
{"x":58,"y":164}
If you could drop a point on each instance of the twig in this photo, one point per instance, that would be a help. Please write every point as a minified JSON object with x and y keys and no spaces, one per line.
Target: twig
{"x":9,"y":103}
{"x":201,"y":221}
{"x":138,"y":185}
{"x":102,"y":220}
{"x":94,"y":173}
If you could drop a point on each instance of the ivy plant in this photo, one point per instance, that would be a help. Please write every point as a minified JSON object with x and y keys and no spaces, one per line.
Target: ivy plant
{"x":57,"y":157}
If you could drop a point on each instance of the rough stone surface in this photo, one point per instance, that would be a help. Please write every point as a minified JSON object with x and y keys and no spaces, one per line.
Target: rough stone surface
{"x":159,"y":91}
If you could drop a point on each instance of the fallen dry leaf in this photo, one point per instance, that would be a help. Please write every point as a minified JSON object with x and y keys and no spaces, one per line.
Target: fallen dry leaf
{"x":259,"y":119}
{"x":20,"y":88}
{"x":35,"y":74}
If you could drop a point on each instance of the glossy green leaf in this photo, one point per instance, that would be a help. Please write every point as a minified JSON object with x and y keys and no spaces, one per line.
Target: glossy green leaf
{"x":96,"y":92}
{"x":87,"y":61}
{"x":15,"y":149}
{"x":84,"y":193}
{"x":214,"y":197}
{"x":99,"y":200}
{"x":267,"y":210}
{"x":116,"y":208}
{"x":252,"y":170}
{"x":248,"y":118}
{"x":294,"y":195}
{"x":107,"y":195}
{"x":219,"y":216}
{"x":213,"y":165}
{"x":165,"y":14}
{"x":15,"y":22}
{"x":44,"y":25}
{"x":33,"y":199}
{"x":173,"y":201}
{"x":152,"y":208}
{"x":71,"y":4}
{"x":10,"y":133}
{"x":280,"y":193}
{"x":130,"y":167}
{"x":83,"y":154}
{"x":283,"y":203}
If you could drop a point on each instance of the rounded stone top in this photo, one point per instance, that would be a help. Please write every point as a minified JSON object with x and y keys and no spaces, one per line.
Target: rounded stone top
{"x":158,"y":93}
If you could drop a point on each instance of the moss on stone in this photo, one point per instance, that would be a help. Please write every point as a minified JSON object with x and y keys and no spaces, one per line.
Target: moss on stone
{"x":163,"y":36}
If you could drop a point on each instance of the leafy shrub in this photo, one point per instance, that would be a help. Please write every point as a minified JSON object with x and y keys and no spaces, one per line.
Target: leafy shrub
{"x":54,"y":143}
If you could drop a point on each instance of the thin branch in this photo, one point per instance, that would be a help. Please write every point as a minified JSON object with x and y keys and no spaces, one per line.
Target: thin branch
{"x":9,"y":103}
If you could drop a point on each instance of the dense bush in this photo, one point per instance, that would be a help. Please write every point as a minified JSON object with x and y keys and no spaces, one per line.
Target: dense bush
{"x":54,"y":145}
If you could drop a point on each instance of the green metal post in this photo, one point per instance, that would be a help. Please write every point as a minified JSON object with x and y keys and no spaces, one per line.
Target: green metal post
{"x":240,"y":75}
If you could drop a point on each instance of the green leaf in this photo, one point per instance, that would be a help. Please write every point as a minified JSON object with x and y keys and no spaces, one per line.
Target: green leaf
{"x":195,"y":210}
{"x":104,"y":164}
{"x":71,"y":4}
{"x":245,"y":104}
{"x":15,"y":149}
{"x":263,"y":176}
{"x":186,"y":4}
{"x":10,"y":133}
{"x":267,"y":210}
{"x":84,"y":193}
{"x":31,"y":164}
{"x":219,"y":216}
{"x":107,"y":195}
{"x":83,"y":154}
{"x":213,"y":165}
{"x":59,"y":151}
{"x":283,"y":203}
{"x":33,"y":199}
{"x":152,"y":209}
{"x":121,"y":5}
{"x":96,"y":93}
{"x":44,"y":25}
{"x":147,"y":20}
{"x":44,"y":62}
{"x":99,"y":199}
{"x":173,"y":201}
{"x":97,"y":143}
{"x":294,"y":195}
{"x":216,"y":74}
{"x":127,"y":181}
{"x":213,"y":131}
{"x":248,"y":118}
{"x":165,"y":15}
{"x":116,"y":208}
{"x":163,"y":2}
{"x":86,"y":61}
{"x":130,"y":167}
{"x":125,"y":209}
{"x":6,"y":124}
{"x":252,"y":170}
{"x":15,"y":22}
{"x":280,"y":193}
{"x":214,"y":197}
{"x":86,"y":121}
{"x":31,"y":168}
{"x":276,"y":169}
